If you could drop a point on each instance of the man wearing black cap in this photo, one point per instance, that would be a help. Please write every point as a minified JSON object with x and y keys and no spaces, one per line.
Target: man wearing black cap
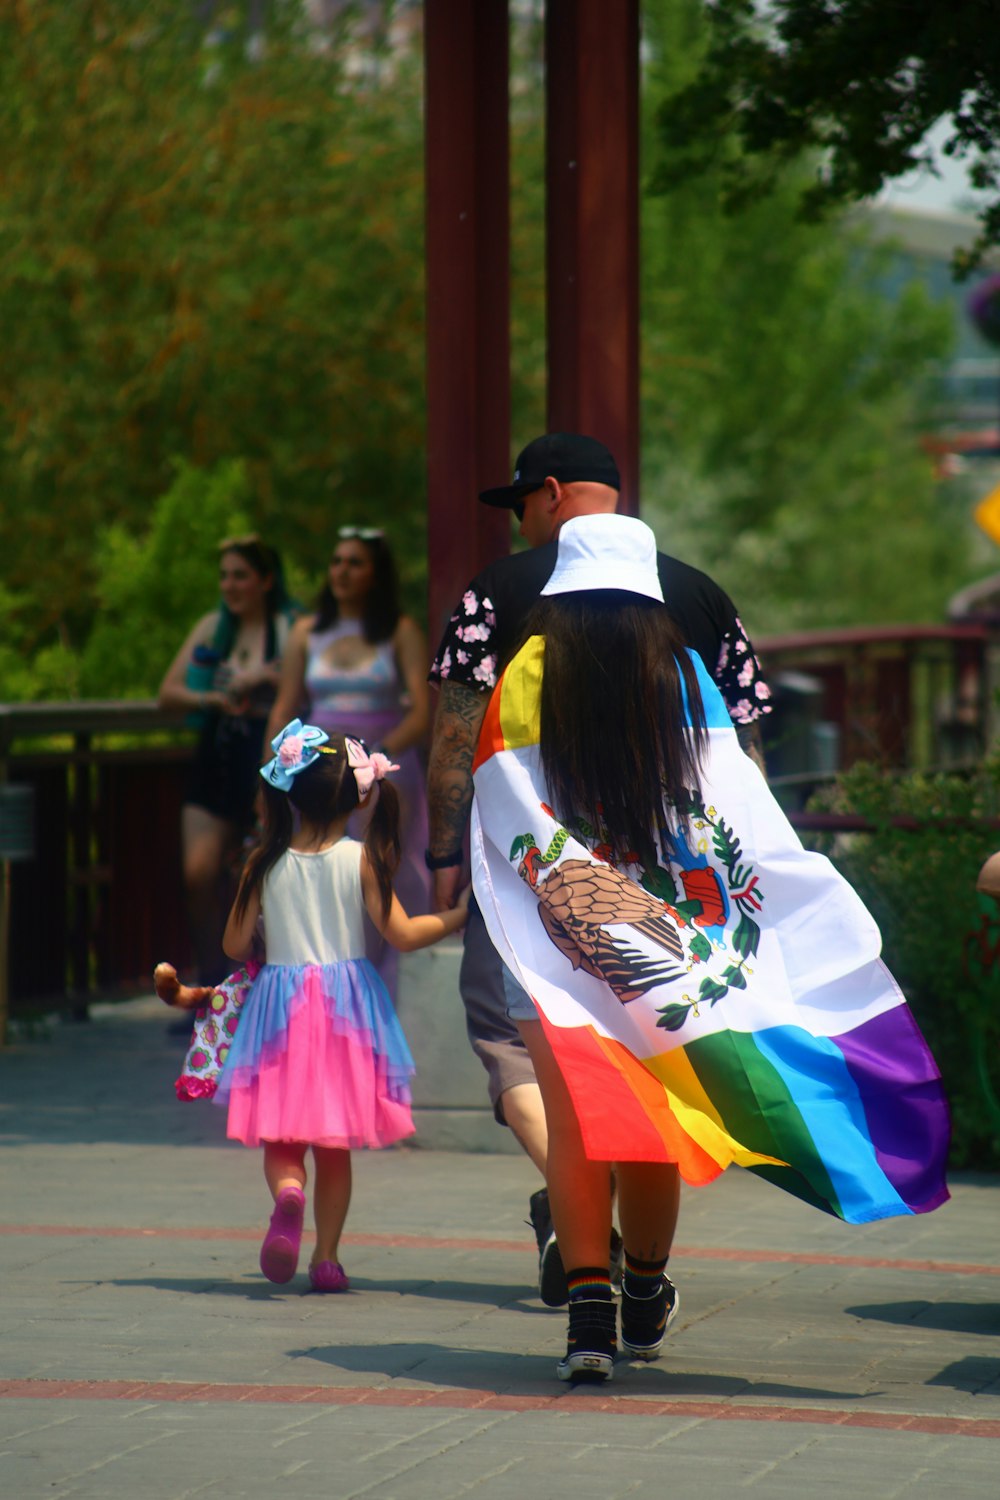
{"x":557,"y":477}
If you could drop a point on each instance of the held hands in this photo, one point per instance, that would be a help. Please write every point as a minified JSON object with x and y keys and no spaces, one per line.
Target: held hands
{"x":448,"y":887}
{"x":454,"y":918}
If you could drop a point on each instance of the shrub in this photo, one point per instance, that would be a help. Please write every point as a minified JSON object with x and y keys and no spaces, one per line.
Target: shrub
{"x":940,"y":938}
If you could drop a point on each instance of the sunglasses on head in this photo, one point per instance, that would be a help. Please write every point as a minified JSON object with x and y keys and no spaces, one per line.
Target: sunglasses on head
{"x":252,"y":539}
{"x":363,"y":533}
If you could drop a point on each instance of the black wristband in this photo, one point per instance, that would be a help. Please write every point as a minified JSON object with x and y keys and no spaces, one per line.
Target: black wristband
{"x":443,"y":861}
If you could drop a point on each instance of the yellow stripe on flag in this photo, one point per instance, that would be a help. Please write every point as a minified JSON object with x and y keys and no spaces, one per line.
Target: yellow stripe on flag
{"x":521,"y":696}
{"x":513,"y":714}
{"x":696,"y":1113}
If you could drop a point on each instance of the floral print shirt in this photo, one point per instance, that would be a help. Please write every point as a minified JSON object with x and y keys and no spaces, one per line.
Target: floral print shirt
{"x":474,"y":646}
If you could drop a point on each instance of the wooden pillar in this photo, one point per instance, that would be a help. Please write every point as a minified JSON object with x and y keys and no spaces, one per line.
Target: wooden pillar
{"x":592,"y":221}
{"x":468,"y":297}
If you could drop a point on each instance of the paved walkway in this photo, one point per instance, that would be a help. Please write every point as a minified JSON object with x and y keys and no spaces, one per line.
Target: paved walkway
{"x":142,"y":1353}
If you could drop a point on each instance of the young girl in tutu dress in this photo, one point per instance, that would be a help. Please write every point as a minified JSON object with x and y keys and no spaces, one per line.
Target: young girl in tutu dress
{"x":319,"y":1059}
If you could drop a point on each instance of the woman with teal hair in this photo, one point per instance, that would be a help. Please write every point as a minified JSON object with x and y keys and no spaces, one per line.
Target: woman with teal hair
{"x":226,"y":676}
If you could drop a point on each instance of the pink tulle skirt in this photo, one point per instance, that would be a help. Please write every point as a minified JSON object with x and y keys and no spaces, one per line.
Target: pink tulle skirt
{"x":319,"y":1056}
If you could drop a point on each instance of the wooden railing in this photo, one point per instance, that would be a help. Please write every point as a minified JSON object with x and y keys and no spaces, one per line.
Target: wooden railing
{"x":907,"y":697}
{"x":100,"y":901}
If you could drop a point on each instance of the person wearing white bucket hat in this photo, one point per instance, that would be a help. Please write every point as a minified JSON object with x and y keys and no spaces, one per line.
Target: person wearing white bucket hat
{"x":606,"y":552}
{"x":634,"y":745}
{"x":557,"y":477}
{"x":693,"y":987}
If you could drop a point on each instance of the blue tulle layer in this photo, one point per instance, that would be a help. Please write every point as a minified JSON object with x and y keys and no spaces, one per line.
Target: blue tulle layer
{"x":356,"y":1005}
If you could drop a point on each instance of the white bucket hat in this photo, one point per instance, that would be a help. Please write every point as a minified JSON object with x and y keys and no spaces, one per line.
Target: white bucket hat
{"x":606,"y":552}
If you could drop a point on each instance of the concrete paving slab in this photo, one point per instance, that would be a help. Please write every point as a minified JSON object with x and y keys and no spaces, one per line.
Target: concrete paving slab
{"x":143,"y":1353}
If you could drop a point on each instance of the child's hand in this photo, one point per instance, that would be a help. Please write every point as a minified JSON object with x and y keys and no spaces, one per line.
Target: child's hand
{"x":464,"y":897}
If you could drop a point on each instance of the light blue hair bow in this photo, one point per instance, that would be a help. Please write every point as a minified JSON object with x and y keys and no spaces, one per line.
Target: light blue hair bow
{"x":295,"y":747}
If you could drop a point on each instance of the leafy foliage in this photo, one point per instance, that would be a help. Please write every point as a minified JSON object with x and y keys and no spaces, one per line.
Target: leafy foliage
{"x":203,"y":255}
{"x":149,"y":592}
{"x":782,"y":390}
{"x":212,"y":257}
{"x":861,"y":82}
{"x":920,"y":885}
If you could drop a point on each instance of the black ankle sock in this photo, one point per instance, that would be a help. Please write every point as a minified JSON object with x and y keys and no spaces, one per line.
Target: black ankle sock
{"x":641,"y":1278}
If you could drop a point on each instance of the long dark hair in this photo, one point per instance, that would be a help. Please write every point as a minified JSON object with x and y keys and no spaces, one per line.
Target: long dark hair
{"x":266,"y":562}
{"x":381,"y":612}
{"x":322,"y":793}
{"x":615,"y":751}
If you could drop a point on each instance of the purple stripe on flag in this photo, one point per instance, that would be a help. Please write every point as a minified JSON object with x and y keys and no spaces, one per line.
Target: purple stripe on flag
{"x":904,"y":1103}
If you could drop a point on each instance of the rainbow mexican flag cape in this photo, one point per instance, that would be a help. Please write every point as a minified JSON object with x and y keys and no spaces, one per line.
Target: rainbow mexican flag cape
{"x":728,"y":1005}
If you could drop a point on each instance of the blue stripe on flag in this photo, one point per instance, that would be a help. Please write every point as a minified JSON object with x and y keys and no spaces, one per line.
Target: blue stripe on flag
{"x":716,"y":712}
{"x":816,"y":1075}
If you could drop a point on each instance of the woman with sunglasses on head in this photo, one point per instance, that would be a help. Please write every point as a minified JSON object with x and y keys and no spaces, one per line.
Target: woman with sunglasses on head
{"x":226,"y":676}
{"x":359,"y":665}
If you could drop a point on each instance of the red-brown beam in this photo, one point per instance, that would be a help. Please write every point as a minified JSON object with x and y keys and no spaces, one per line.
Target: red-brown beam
{"x":468,"y":298}
{"x":592,"y":219}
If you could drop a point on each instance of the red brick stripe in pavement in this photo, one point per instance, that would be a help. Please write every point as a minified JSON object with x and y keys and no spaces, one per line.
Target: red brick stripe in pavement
{"x":440,"y":1242}
{"x":482,"y":1400}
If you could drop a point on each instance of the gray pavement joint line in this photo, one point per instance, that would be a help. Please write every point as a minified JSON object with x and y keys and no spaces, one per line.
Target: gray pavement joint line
{"x":448,"y":1420}
{"x":766,"y":1469}
{"x":155,"y":1441}
{"x":35,"y":1428}
{"x":426,"y":1458}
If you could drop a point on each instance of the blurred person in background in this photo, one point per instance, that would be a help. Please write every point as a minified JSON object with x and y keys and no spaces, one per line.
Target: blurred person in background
{"x":357,"y":666}
{"x":226,"y":676}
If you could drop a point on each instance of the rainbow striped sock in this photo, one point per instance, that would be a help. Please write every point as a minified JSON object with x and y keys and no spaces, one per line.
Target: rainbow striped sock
{"x":589,"y":1283}
{"x":641,"y":1278}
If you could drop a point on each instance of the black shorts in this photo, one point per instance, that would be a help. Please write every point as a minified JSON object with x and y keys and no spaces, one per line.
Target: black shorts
{"x":225,"y":778}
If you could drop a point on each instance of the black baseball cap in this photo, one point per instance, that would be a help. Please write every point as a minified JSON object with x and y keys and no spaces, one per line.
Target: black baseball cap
{"x":567,"y":456}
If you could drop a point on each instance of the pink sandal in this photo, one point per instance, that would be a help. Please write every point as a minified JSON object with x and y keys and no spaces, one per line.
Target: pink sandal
{"x":328,"y":1276}
{"x":279,"y":1254}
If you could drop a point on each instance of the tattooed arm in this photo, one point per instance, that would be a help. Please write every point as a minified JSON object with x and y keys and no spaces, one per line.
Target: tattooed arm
{"x":460,"y":714}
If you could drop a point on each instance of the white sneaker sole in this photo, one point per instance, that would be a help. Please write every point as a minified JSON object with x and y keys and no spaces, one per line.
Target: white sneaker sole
{"x":585,"y":1367}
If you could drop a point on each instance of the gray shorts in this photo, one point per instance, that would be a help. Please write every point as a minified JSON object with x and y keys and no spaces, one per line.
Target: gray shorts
{"x":520,"y":1006}
{"x":493,"y":1035}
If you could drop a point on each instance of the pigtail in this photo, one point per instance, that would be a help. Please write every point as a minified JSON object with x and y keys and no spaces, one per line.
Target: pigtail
{"x":276,"y":838}
{"x":382,"y":841}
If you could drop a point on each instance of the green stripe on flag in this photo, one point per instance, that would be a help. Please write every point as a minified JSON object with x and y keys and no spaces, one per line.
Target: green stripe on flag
{"x":758,"y":1110}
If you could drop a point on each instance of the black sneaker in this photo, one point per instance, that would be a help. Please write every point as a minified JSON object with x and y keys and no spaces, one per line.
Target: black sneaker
{"x":591,"y":1344}
{"x":645,"y":1320}
{"x":552,"y":1286}
{"x":616,"y":1262}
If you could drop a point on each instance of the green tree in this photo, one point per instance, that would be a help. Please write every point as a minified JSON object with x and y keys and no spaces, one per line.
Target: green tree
{"x":203,"y":256}
{"x":783,"y":391}
{"x":861,"y":82}
{"x":149,"y":591}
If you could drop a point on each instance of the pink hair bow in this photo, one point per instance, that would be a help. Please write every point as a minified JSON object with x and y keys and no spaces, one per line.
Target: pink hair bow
{"x":367,"y":768}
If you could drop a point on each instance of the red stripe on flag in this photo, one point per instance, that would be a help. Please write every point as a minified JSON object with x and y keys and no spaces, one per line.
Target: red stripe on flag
{"x":491,"y":740}
{"x":622,"y":1109}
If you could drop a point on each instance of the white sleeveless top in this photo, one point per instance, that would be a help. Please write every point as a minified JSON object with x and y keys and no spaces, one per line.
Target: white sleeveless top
{"x":313,"y":908}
